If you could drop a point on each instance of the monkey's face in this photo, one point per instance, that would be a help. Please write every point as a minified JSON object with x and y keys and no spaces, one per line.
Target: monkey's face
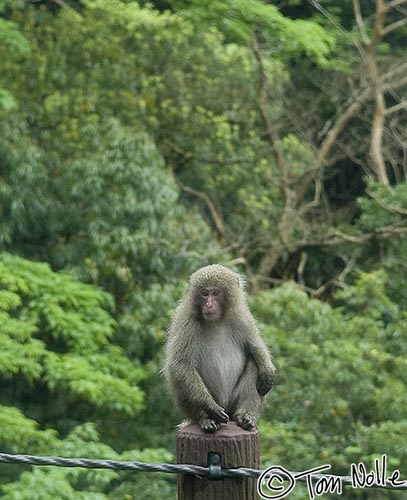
{"x":211,"y":303}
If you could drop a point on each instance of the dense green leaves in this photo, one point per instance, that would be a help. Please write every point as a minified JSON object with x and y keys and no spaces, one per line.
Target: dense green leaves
{"x":58,"y":363}
{"x":13,"y":44}
{"x":56,"y":332}
{"x":21,"y":433}
{"x":141,"y":140}
{"x":341,"y":391}
{"x":241,"y":19}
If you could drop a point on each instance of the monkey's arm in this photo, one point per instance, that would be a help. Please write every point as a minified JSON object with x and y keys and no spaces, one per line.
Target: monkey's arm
{"x":192,"y":393}
{"x":261,"y":355}
{"x":187,"y":385}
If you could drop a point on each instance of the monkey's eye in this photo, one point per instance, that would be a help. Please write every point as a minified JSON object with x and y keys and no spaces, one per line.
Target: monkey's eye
{"x":216,"y":293}
{"x":204,"y":293}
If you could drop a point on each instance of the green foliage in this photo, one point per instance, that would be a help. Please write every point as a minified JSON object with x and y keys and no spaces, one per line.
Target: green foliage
{"x":384,"y":208}
{"x":59,"y":366}
{"x":24,"y":207}
{"x":59,"y":483}
{"x":341,"y":392}
{"x":240,"y":19}
{"x":128,"y":60}
{"x":12,"y":39}
{"x":12,"y":44}
{"x":126,"y":203}
{"x":48,"y":485}
{"x":121,"y":198}
{"x":130,"y":132}
{"x":7,"y":101}
{"x":57,"y":331}
{"x":155,"y":488}
{"x":20,"y":433}
{"x":367,"y":297}
{"x":74,"y":483}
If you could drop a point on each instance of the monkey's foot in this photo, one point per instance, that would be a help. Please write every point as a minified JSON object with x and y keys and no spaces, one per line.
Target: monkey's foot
{"x":246,"y":422}
{"x":209,"y":424}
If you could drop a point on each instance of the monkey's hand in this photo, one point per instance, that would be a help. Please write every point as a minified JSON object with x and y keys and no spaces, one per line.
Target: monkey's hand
{"x":264,"y":383}
{"x":219,"y":414}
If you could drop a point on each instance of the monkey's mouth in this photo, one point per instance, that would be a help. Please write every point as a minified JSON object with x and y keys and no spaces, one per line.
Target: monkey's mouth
{"x":211,"y":315}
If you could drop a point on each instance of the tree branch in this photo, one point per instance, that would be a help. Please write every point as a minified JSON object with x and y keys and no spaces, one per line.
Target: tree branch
{"x":390,"y":208}
{"x":382,"y":233}
{"x":262,"y":102}
{"x":393,"y":26}
{"x":339,"y":126}
{"x":216,"y":217}
{"x":394,"y":3}
{"x":396,"y":107}
{"x":360,"y":22}
{"x":187,"y":155}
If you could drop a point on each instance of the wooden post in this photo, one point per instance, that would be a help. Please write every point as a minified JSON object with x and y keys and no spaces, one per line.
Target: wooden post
{"x":238,"y":448}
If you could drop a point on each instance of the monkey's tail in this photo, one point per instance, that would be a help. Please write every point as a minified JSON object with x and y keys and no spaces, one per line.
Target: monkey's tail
{"x":184,"y":423}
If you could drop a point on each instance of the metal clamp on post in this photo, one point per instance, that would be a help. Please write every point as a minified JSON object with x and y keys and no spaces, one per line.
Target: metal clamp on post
{"x":215,"y":466}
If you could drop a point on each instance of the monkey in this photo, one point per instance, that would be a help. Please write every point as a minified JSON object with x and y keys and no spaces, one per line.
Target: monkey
{"x":216,"y":365}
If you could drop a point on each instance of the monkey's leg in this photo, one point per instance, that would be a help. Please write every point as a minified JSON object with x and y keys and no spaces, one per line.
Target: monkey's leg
{"x":208,"y":421}
{"x":208,"y":424}
{"x":246,"y":400}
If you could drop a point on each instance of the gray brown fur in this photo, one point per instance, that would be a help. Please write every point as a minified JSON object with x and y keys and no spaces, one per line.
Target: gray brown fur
{"x":222,"y":367}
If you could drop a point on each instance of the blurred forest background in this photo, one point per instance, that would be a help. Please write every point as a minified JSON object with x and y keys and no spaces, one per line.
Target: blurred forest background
{"x":139,"y":141}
